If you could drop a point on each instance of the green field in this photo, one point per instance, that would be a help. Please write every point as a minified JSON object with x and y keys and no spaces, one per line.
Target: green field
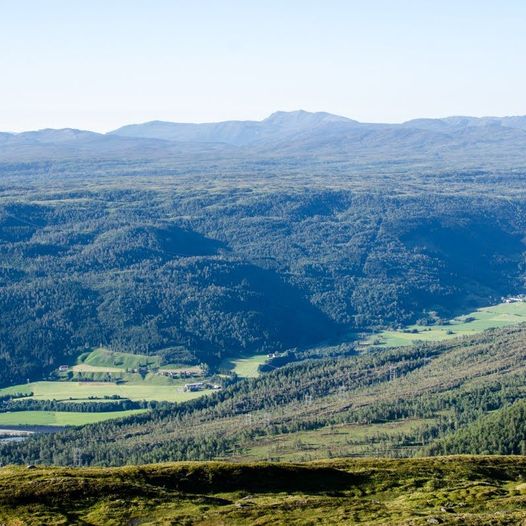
{"x":102,"y":367}
{"x":502,"y":315}
{"x":87,"y":368}
{"x":85,"y":390}
{"x":60,"y":418}
{"x":246,"y":367}
{"x":104,"y":359}
{"x":97,"y":363}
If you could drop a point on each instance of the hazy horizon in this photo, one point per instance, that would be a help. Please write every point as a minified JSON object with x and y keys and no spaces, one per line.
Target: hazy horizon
{"x":100,"y":65}
{"x":126,"y":123}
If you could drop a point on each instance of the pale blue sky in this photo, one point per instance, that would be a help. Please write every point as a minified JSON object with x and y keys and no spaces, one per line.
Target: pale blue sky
{"x":98,"y":64}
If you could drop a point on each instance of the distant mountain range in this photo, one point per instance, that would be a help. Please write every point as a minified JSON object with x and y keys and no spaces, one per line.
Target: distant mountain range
{"x":279,"y":125}
{"x":298,"y":123}
{"x":297,"y":134}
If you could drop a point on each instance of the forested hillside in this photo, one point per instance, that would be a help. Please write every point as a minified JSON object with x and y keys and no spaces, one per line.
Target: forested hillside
{"x":503,"y":432}
{"x":203,"y":274}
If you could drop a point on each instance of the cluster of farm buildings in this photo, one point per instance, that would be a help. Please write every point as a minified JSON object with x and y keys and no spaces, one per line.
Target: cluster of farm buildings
{"x":515,"y":299}
{"x":201,"y":386}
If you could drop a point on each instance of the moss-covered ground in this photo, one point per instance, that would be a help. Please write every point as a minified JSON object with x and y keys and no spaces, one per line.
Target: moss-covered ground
{"x":441,"y":490}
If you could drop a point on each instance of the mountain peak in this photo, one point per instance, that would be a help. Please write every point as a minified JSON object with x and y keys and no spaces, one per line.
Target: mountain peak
{"x":304,"y":117}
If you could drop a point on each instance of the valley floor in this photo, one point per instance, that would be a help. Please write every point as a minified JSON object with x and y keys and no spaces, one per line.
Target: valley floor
{"x":441,"y":490}
{"x":505,"y":314}
{"x":94,"y":379}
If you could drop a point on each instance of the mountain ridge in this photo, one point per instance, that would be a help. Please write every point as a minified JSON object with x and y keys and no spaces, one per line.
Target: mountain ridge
{"x":452,"y":121}
{"x":286,"y":137}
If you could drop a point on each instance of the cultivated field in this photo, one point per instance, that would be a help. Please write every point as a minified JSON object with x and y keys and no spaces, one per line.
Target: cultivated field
{"x":87,"y":368}
{"x":60,"y":418}
{"x":97,"y":376}
{"x":86,"y":390}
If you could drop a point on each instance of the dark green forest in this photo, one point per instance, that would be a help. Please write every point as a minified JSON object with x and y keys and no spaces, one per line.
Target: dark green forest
{"x":199,"y":273}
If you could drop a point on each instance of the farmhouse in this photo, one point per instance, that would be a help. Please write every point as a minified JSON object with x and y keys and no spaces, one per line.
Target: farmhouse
{"x":197,"y":386}
{"x":200,"y":386}
{"x":515,"y":299}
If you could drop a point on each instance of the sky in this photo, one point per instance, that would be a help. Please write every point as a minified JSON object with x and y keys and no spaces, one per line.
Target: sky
{"x":99,"y":64}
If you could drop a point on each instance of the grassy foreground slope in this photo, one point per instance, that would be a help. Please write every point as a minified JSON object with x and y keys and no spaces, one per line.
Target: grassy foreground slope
{"x":442,"y":490}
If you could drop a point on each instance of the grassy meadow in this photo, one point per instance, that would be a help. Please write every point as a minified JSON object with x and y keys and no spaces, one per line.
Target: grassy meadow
{"x":246,"y":367}
{"x":103,"y":358}
{"x":501,"y":315}
{"x":463,"y":490}
{"x":85,"y":390}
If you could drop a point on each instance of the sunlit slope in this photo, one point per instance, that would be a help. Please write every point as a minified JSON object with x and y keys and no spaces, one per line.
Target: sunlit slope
{"x":444,"y":490}
{"x":501,"y":315}
{"x":388,"y":402}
